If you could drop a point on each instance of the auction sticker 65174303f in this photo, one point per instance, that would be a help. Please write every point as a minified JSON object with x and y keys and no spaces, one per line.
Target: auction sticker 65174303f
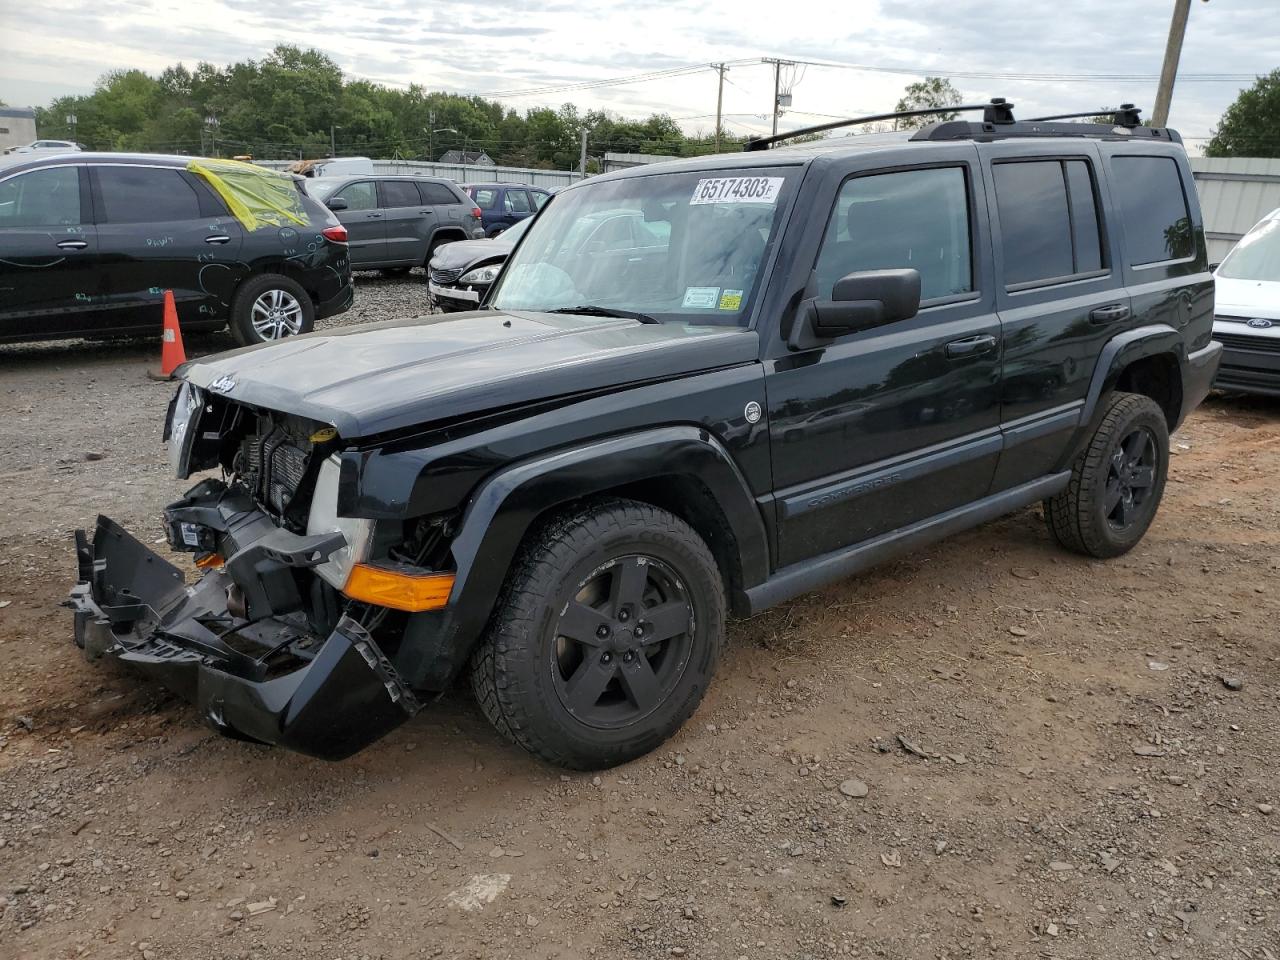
{"x":736,"y":190}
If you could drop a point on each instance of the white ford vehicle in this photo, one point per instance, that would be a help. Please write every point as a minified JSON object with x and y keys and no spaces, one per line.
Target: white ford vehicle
{"x":1247,"y":312}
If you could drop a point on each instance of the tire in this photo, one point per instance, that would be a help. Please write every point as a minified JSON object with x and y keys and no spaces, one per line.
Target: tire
{"x":298,"y":314}
{"x":393,"y":272}
{"x":1117,"y":482}
{"x":538,"y":685}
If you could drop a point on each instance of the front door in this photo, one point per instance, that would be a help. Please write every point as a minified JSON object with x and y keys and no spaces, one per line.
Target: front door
{"x":161,"y":228}
{"x":888,"y":426}
{"x":409,"y":221}
{"x":50,"y":279}
{"x":365,"y":223}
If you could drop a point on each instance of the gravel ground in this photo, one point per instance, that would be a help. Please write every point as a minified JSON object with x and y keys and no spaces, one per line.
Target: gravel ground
{"x":989,"y":749}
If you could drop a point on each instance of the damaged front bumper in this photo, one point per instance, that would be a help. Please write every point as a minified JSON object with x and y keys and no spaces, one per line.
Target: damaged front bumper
{"x":258,"y":674}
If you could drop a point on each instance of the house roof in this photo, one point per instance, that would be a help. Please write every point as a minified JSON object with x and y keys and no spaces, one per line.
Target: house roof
{"x":25,"y":113}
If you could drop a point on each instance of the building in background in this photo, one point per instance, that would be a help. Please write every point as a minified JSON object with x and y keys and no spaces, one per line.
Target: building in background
{"x":17,"y":127}
{"x":472,"y":158}
{"x":1235,"y":193}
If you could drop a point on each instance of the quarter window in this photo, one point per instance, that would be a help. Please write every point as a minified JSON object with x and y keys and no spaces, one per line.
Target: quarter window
{"x":1048,"y":220}
{"x":917,"y":219}
{"x":436,"y":193}
{"x":41,"y":198}
{"x":400,"y":193}
{"x":145,"y":195}
{"x":1157,"y":222}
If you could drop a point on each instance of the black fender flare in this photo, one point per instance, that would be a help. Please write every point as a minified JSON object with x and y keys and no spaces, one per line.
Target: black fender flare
{"x":1118,"y":353}
{"x":503,"y":508}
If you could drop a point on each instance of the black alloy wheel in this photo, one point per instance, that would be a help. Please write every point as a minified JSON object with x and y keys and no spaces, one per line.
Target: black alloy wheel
{"x":1131,"y":477}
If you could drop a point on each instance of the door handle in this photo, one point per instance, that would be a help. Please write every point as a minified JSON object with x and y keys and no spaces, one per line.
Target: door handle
{"x":375,"y":216}
{"x":218,"y":238}
{"x":72,"y":244}
{"x":970,"y":346}
{"x":1111,"y":313}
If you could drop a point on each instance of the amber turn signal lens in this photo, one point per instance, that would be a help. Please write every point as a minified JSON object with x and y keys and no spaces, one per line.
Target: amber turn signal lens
{"x":387,"y":587}
{"x":207,"y":561}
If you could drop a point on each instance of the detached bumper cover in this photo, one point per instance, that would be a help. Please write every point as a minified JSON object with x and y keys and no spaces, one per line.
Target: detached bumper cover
{"x":134,"y":606}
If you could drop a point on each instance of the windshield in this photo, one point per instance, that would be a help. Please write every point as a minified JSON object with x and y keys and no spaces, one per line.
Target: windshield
{"x":679,"y":247}
{"x":1256,"y":256}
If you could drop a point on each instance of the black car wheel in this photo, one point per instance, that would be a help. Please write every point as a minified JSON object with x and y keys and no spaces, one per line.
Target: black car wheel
{"x":1117,"y":483}
{"x":608,"y":635}
{"x":270,"y":307}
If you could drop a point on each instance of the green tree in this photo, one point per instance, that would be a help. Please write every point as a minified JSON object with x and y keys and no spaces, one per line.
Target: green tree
{"x":925,"y":94}
{"x":1250,"y":127}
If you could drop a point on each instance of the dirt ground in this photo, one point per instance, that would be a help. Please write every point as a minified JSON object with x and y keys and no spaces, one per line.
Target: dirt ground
{"x":1055,"y":759}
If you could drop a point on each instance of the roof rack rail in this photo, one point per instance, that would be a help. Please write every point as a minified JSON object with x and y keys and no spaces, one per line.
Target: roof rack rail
{"x":1125,"y":115}
{"x":997,"y":111}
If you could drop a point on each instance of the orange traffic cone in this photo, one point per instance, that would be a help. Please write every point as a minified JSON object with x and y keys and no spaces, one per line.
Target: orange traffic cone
{"x":172,"y":353}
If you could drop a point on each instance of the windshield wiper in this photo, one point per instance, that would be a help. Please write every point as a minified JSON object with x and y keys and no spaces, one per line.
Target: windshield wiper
{"x":591,"y":310}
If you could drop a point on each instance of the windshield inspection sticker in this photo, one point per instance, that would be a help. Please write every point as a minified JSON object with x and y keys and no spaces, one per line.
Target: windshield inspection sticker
{"x":701,"y":298}
{"x":736,"y":190}
{"x":731,"y":300}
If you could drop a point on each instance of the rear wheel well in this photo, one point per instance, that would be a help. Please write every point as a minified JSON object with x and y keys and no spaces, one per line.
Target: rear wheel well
{"x":1156,"y":377}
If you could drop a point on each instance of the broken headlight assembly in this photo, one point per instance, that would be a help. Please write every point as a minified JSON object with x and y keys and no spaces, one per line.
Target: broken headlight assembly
{"x":180,"y":427}
{"x":324,"y":518}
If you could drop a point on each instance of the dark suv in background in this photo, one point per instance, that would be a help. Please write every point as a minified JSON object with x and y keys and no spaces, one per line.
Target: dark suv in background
{"x":396,"y":223}
{"x":89,"y":242}
{"x":823,"y":357}
{"x":503,"y":205}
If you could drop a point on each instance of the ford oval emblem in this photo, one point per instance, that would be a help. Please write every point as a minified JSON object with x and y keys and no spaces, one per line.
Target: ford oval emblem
{"x":1259,"y":323}
{"x":224,"y":384}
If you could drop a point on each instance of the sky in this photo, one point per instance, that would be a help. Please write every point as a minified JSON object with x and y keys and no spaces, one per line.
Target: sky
{"x":507,"y":48}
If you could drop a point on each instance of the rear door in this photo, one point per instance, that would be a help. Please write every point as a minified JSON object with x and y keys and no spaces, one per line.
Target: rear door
{"x":449,"y":208}
{"x":409,"y":221}
{"x":50,"y":279}
{"x":1060,"y":294}
{"x":162,"y":228}
{"x":365,"y":223}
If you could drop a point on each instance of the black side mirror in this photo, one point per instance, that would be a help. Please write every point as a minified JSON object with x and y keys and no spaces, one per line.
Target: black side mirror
{"x":1214,"y":266}
{"x":859,"y":301}
{"x":336,"y":203}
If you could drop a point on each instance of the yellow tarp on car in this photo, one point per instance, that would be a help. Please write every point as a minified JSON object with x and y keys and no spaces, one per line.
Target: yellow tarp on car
{"x":256,"y":196}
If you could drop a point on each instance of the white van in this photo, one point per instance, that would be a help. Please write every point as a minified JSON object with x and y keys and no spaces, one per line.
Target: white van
{"x":1246,"y":318}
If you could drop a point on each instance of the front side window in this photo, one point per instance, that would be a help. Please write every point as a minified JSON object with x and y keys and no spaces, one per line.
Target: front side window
{"x":361,"y":195}
{"x":400,"y":193}
{"x":41,"y":198}
{"x":916,"y":219}
{"x":676,"y":247}
{"x":145,"y":195}
{"x":1157,"y":221}
{"x":1048,"y":220}
{"x":1256,"y":256}
{"x":539,"y":198}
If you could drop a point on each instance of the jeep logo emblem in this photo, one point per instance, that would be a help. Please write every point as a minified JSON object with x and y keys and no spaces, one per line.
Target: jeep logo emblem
{"x":224,"y":384}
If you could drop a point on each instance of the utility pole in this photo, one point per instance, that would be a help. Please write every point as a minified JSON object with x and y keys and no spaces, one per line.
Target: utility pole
{"x":1172,"y":53}
{"x":720,"y":69}
{"x":582,"y":161}
{"x":333,"y":143}
{"x":778,"y":96}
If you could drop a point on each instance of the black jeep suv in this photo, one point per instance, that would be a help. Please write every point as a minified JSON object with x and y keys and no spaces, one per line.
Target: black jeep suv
{"x":840,"y":351}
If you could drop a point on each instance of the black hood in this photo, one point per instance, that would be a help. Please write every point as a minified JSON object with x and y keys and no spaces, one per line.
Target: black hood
{"x":382,"y":377}
{"x":461,"y":254}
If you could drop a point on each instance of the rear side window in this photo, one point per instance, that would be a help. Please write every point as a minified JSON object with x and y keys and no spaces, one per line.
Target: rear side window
{"x":400,"y":193}
{"x":437,"y":193}
{"x":1157,"y":222}
{"x":484,"y":199}
{"x":41,"y":198}
{"x":1048,"y":220}
{"x":916,"y":218}
{"x":145,"y":195}
{"x":516,"y":201}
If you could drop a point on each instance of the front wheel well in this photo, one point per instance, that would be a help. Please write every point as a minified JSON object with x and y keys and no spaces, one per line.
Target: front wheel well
{"x":1159,"y":378}
{"x":690,"y":500}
